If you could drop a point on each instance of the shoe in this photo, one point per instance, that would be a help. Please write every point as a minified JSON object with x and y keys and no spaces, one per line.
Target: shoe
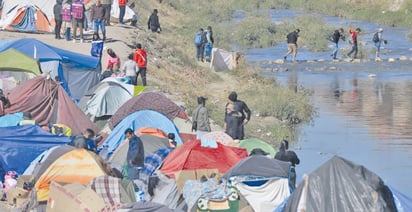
{"x":74,"y":40}
{"x":285,"y":57}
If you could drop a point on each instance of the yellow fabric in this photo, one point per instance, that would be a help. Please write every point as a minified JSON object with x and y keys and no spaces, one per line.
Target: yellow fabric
{"x":138,"y":89}
{"x":67,"y":131}
{"x":78,"y":165}
{"x":27,"y":122}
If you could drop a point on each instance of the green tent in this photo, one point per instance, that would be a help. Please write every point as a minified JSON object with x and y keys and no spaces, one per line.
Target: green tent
{"x":18,"y":65}
{"x":253,"y":143}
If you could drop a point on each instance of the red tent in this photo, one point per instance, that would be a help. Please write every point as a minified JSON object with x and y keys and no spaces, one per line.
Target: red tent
{"x":191,"y":156}
{"x":47,"y":102}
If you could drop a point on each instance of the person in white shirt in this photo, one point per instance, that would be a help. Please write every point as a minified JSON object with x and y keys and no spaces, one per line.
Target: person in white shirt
{"x":131,"y":69}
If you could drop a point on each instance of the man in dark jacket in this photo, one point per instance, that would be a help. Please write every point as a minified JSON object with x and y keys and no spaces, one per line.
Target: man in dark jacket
{"x":292,"y":40}
{"x":241,"y":107}
{"x":85,"y":140}
{"x":153,"y":22}
{"x":57,"y":10}
{"x":135,"y":154}
{"x":337,"y":35}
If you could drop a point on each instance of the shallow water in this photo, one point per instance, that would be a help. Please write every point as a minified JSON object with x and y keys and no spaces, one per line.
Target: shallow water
{"x":365,"y":109}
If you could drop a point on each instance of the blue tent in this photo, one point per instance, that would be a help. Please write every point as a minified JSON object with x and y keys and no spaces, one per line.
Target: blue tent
{"x":135,"y":121}
{"x":20,"y":145}
{"x":77,"y":72}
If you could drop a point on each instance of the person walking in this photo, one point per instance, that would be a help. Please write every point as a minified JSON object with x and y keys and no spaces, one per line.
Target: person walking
{"x":354,"y":41}
{"x":200,"y":116}
{"x":78,"y":19}
{"x":122,"y":11}
{"x":140,"y":57}
{"x":153,"y":22}
{"x":135,"y":155}
{"x":98,"y":14}
{"x":209,"y":43}
{"x":287,"y":155}
{"x":241,"y":107}
{"x":107,"y":6}
{"x":335,"y":37}
{"x":131,"y":69}
{"x":57,"y":10}
{"x":292,"y":40}
{"x":378,"y":40}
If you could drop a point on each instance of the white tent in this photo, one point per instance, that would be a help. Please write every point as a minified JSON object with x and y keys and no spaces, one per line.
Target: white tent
{"x":114,"y":12}
{"x":221,"y":60}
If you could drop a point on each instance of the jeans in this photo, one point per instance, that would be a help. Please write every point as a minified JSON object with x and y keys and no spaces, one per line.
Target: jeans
{"x":77,"y":23}
{"x":200,"y":52}
{"x":99,"y":24}
{"x":354,"y":50}
{"x":58,"y":28}
{"x":89,"y":24}
{"x":121,"y":14}
{"x":142,"y":73}
{"x":335,"y":51}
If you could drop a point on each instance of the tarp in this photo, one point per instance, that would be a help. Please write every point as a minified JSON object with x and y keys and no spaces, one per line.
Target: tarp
{"x":221,"y":60}
{"x":259,"y":165}
{"x":191,"y":156}
{"x":47,"y":103}
{"x":341,"y":185}
{"x":403,"y":202}
{"x":78,"y":165}
{"x":18,"y":65}
{"x":77,"y":72}
{"x":19,"y":145}
{"x":254,"y":143}
{"x":104,"y":99}
{"x":26,"y":16}
{"x":136,"y":120}
{"x":155,"y":101}
{"x":10,"y":120}
{"x":217,"y":136}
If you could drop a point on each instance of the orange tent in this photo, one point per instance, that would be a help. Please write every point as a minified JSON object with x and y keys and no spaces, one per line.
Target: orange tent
{"x":78,"y":165}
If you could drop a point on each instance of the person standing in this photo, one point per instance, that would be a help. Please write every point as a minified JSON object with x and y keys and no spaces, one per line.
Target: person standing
{"x":78,"y":19}
{"x":122,"y":8}
{"x":140,"y":57}
{"x":233,"y":122}
{"x":241,"y":107}
{"x":57,"y":10}
{"x":336,"y":36}
{"x":377,"y":39}
{"x":98,"y":14}
{"x":4,"y":102}
{"x":292,"y":40}
{"x":209,"y":43}
{"x":287,"y":155}
{"x":131,"y":69}
{"x":135,"y":155}
{"x":200,"y":115}
{"x":67,"y":18}
{"x":198,"y":41}
{"x":107,"y":6}
{"x":153,"y":22}
{"x":354,"y":35}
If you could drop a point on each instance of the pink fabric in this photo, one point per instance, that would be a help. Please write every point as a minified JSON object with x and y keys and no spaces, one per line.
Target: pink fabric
{"x":111,"y":61}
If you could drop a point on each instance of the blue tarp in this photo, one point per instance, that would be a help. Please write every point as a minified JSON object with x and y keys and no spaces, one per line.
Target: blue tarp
{"x":86,"y":67}
{"x":11,"y":119}
{"x":135,"y":121}
{"x":403,"y":202}
{"x":20,"y":145}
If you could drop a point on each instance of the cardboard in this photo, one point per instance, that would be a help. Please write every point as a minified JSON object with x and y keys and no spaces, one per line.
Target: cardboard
{"x":73,"y":197}
{"x":17,"y":196}
{"x":183,"y":176}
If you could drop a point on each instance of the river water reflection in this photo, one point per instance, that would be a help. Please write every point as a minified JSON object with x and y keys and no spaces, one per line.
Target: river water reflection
{"x":365,"y":109}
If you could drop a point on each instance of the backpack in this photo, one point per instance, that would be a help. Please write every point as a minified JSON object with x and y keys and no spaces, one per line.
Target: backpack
{"x":77,"y":10}
{"x":375,"y":37}
{"x":66,"y":17}
{"x":198,"y":38}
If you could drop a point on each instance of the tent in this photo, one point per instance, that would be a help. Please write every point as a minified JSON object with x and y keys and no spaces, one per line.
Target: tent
{"x":136,"y":120}
{"x":47,"y":103}
{"x":150,"y":143}
{"x":45,"y":159}
{"x":19,"y":145}
{"x":156,"y":101}
{"x":262,"y":181}
{"x":104,"y":99}
{"x":26,"y":16}
{"x":254,"y":143}
{"x":217,"y":136}
{"x":223,"y":60}
{"x":78,"y":165}
{"x":16,"y":66}
{"x":77,"y":72}
{"x":115,"y":11}
{"x":341,"y":185}
{"x":192,"y":156}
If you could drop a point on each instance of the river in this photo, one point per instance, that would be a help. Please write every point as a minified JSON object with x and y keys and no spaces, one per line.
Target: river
{"x":364,"y":109}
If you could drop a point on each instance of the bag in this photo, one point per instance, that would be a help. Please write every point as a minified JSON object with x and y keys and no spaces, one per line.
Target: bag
{"x":375,"y":37}
{"x":77,"y":10}
{"x":194,"y":126}
{"x":198,"y":39}
{"x":66,"y":17}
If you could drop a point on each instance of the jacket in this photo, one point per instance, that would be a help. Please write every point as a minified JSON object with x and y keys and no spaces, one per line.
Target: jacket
{"x":57,"y":10}
{"x":140,"y":58}
{"x":201,"y":115}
